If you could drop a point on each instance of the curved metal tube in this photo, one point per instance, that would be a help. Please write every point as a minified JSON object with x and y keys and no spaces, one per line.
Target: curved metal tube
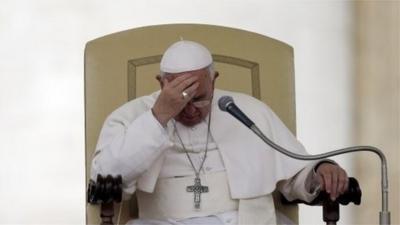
{"x":384,"y":216}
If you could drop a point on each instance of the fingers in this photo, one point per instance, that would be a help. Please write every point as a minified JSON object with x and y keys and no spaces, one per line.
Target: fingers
{"x":181,"y":82}
{"x":343,"y":182}
{"x":191,"y":91}
{"x":186,"y":83}
{"x":321,"y":182}
{"x":333,"y":180}
{"x":178,"y":79}
{"x":334,"y":186}
{"x":346,"y":186}
{"x":328,"y":182}
{"x":171,"y":100}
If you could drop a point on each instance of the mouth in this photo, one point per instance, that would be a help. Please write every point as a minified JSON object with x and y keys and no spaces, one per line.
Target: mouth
{"x":190,"y":117}
{"x":189,"y":120}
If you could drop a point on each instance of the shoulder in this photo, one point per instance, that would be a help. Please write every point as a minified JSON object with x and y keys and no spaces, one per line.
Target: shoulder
{"x":134,"y":108}
{"x":251,"y":106}
{"x":241,"y":99}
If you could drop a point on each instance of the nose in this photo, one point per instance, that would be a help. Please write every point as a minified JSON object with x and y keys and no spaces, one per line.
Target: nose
{"x":189,"y":109}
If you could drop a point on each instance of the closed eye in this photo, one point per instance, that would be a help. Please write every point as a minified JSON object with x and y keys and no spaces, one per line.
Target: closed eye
{"x":199,"y":98}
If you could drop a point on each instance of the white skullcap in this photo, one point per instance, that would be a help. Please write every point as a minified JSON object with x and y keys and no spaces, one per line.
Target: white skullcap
{"x":185,"y":56}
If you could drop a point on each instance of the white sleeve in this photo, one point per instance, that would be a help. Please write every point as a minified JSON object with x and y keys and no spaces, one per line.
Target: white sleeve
{"x":129,"y":148}
{"x":303,"y":186}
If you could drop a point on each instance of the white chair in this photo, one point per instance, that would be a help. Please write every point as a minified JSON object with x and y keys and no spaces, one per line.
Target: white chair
{"x":122,"y":66}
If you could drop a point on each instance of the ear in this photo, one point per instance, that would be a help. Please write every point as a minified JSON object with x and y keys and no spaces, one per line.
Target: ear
{"x":216,"y":74}
{"x":159,"y":78}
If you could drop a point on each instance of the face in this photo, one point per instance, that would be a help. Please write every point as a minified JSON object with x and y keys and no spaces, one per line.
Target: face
{"x":197,"y":109}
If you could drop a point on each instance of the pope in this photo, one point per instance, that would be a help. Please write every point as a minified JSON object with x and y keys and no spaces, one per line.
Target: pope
{"x":190,"y":163}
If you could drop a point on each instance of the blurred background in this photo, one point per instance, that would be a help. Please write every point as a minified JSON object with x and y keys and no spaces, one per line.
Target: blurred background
{"x":347,"y":90}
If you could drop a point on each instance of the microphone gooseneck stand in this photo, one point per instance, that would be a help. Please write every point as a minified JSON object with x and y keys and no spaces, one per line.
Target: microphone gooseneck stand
{"x":226,"y":104}
{"x":384,"y":215}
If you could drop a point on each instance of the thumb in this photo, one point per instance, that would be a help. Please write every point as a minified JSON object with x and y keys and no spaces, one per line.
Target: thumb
{"x":163,"y":82}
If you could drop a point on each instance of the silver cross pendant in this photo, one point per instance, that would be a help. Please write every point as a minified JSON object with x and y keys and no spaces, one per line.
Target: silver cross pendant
{"x":197,"y":189}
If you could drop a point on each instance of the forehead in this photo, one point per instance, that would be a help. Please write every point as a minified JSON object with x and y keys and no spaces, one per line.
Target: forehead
{"x":202,"y":74}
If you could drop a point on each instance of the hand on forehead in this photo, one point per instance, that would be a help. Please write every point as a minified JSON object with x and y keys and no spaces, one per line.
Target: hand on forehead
{"x":198,"y":73}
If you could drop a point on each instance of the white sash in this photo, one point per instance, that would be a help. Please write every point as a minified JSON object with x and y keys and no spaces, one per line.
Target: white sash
{"x":171,"y":201}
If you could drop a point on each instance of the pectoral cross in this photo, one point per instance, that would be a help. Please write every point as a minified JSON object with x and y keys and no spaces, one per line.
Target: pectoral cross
{"x":197,"y":189}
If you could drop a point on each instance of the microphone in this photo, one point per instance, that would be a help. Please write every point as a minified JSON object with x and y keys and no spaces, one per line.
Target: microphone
{"x":226,"y":104}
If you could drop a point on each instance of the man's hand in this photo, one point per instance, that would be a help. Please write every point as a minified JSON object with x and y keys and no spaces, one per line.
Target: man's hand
{"x":333,"y":179}
{"x":170,"y":101}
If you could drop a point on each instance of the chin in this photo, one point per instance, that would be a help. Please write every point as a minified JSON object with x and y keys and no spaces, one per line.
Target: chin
{"x":189,"y":123}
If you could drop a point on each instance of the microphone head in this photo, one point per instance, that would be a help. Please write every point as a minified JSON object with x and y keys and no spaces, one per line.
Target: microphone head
{"x":224,"y":102}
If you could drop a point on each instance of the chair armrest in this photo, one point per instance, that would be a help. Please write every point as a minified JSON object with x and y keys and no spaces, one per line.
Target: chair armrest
{"x":330,"y":208}
{"x":353,"y":194}
{"x":105,"y":191}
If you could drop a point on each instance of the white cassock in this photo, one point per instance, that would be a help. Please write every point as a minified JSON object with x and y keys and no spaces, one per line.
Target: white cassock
{"x":240,"y":170}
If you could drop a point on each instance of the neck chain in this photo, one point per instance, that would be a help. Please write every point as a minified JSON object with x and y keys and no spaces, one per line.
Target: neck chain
{"x":197,"y":172}
{"x":197,"y":188}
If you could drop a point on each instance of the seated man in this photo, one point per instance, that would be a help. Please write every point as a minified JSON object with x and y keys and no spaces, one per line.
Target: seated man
{"x":190,"y":163}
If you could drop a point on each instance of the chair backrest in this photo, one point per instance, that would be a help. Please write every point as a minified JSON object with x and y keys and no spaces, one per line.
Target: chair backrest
{"x":122,"y":66}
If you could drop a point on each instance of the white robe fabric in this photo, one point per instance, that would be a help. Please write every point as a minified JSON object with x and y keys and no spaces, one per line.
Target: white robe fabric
{"x":253,"y":167}
{"x":133,"y":144}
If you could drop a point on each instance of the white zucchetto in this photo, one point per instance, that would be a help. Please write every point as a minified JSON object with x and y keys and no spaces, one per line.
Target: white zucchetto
{"x":183,"y":56}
